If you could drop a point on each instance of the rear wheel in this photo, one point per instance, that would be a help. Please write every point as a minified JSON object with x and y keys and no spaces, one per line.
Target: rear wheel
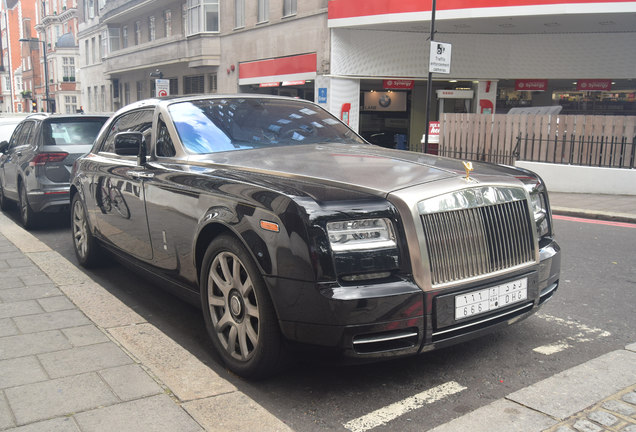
{"x":238,"y":312}
{"x":86,"y":248}
{"x":27,"y":215}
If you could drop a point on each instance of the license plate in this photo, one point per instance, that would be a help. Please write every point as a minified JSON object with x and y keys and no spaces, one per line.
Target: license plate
{"x":489,"y":299}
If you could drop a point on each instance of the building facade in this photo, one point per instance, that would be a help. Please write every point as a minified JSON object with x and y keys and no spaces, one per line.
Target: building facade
{"x":366,"y":61}
{"x":57,"y":27}
{"x":39,"y":56}
{"x":198,"y":46}
{"x":579,"y":57}
{"x":18,"y":75}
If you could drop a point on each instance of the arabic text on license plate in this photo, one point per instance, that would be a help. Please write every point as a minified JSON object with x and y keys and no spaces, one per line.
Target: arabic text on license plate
{"x":489,"y":299}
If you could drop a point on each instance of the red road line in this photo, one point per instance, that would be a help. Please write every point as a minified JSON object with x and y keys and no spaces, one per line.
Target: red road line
{"x":594,"y":221}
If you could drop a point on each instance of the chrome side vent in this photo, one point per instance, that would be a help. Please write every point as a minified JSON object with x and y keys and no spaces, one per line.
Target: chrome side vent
{"x":386,"y":341}
{"x":478,"y":240}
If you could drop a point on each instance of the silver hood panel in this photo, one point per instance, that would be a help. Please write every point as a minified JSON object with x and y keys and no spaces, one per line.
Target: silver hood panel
{"x":367,"y":168}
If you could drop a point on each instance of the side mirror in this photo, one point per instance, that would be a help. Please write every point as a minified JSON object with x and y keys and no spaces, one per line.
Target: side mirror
{"x":131,"y":144}
{"x":4,"y":145}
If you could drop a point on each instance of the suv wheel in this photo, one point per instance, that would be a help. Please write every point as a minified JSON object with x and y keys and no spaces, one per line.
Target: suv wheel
{"x":27,"y":215}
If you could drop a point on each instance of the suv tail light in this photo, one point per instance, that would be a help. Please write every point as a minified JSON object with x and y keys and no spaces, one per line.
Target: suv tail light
{"x":44,"y":158}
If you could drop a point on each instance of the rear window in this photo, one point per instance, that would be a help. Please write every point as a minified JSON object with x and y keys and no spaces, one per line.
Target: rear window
{"x":72,"y":131}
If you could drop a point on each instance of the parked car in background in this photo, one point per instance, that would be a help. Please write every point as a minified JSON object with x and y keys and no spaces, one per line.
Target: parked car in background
{"x":36,"y":162}
{"x":287,"y":228}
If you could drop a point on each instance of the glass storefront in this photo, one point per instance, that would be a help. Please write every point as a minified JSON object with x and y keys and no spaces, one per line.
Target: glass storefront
{"x":618,"y":97}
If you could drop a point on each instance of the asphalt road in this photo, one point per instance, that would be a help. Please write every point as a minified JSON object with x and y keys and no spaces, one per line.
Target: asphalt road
{"x":591,"y":314}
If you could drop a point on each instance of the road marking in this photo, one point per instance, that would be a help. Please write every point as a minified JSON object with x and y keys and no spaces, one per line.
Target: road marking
{"x":585,"y":334}
{"x":384,"y":415}
{"x":594,"y":221}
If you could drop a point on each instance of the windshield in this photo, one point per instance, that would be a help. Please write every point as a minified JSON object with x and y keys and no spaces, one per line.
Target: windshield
{"x":72,"y":131}
{"x":216,"y":125}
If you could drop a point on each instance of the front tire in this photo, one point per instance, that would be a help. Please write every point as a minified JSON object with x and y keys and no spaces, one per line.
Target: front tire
{"x":238,"y":312}
{"x":86,"y":248}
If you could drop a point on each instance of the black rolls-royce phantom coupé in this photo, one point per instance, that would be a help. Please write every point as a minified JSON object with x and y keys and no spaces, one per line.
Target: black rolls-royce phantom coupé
{"x":288,"y":228}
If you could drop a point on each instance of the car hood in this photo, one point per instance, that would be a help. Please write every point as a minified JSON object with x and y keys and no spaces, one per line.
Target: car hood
{"x":367,"y":168}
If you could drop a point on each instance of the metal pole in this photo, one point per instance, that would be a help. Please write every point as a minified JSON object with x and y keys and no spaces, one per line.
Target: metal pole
{"x":46,"y":78}
{"x":429,"y":83}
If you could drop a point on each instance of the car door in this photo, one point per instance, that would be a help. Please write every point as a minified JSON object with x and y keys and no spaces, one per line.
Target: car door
{"x":119,"y":190}
{"x":17,"y":154}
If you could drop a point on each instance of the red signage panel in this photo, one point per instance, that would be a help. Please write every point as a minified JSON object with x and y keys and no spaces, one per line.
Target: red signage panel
{"x":594,"y":85}
{"x":278,"y":66}
{"x":531,"y":85}
{"x":293,"y":83}
{"x":269,"y":84}
{"x":398,"y":84}
{"x":364,"y":8}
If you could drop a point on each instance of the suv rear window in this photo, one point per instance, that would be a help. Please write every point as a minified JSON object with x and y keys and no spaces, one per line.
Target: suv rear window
{"x":72,"y":131}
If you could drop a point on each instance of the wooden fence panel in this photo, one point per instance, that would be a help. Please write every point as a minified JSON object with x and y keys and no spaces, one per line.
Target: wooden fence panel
{"x":552,"y":136}
{"x":576,"y":139}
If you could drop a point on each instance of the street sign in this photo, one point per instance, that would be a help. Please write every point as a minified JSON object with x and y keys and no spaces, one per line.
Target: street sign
{"x":440,"y":57}
{"x":162,"y":87}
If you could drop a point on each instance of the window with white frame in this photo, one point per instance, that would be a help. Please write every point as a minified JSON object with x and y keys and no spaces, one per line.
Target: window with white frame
{"x":140,"y":90}
{"x":203,"y":16}
{"x":90,"y":6}
{"x":152,"y":31}
{"x":19,"y":86}
{"x":167,"y":23}
{"x":289,"y":7}
{"x":263,"y":11}
{"x":213,"y":83}
{"x":113,"y":38}
{"x":68,"y":68}
{"x":126,"y":93}
{"x":103,"y":44}
{"x":124,"y":37}
{"x":70,"y":104}
{"x":137,"y":32}
{"x":239,"y":13}
{"x":184,"y":19}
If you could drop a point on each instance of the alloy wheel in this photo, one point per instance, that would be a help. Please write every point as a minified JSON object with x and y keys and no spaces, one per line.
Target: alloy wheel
{"x":79,"y":229}
{"x":234,"y":306}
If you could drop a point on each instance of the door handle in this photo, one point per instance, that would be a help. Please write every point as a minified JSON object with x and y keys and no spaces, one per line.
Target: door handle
{"x":140,"y":174}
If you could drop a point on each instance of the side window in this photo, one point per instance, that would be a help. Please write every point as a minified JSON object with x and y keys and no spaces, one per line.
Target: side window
{"x":23,"y":136}
{"x":14,"y":136}
{"x":165,"y":147}
{"x":139,"y":121}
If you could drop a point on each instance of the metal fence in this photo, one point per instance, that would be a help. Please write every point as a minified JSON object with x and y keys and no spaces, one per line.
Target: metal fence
{"x":608,"y":141}
{"x":610,"y":152}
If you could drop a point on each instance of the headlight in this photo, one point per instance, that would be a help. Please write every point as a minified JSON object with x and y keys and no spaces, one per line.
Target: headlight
{"x":361,"y":234}
{"x":540,"y":212}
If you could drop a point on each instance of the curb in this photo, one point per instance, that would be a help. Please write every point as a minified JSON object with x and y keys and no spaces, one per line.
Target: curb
{"x":594,"y":214}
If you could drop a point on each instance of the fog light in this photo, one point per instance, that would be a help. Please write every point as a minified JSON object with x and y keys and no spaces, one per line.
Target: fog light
{"x":366,"y":276}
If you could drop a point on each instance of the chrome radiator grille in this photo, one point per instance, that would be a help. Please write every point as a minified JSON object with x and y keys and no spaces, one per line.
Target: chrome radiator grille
{"x":479,"y":240}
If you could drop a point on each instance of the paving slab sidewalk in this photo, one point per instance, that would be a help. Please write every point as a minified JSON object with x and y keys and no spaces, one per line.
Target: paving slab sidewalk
{"x":75,"y":358}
